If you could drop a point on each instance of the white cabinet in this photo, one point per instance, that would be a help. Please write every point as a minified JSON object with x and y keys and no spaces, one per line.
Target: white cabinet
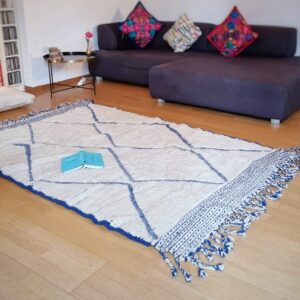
{"x":10,"y":56}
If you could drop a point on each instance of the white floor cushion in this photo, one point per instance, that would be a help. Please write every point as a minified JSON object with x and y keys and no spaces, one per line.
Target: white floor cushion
{"x":12,"y":98}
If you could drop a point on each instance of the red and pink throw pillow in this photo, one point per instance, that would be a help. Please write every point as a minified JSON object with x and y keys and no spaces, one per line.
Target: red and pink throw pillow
{"x":140,"y":26}
{"x":233,"y":35}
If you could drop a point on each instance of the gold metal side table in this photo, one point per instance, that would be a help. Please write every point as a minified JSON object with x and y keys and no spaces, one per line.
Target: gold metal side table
{"x":70,"y":58}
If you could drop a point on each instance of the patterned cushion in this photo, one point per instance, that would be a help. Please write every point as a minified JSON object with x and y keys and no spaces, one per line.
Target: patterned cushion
{"x":233,"y":35}
{"x":183,"y":34}
{"x":141,"y":26}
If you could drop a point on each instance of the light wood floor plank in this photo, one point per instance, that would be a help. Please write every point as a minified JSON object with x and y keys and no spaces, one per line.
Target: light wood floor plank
{"x":119,"y":283}
{"x":86,"y":292}
{"x":11,"y":275}
{"x":11,"y":269}
{"x":53,"y":273}
{"x":44,"y":289}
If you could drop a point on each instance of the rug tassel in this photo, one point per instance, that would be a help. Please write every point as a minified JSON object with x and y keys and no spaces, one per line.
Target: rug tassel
{"x":202,"y":267}
{"x":187,"y":276}
{"x":166,"y":259}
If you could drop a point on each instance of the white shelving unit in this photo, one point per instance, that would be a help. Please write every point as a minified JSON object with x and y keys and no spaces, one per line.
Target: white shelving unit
{"x":10,"y":55}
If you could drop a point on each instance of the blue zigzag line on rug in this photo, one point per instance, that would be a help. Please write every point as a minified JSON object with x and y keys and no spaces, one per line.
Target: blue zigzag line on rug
{"x":201,"y":157}
{"x":34,"y":117}
{"x":65,"y":107}
{"x":175,"y":132}
{"x":129,"y":186}
{"x":185,"y":243}
{"x":160,"y":148}
{"x":131,"y":195}
{"x":31,"y":134}
{"x":132,"y":198}
{"x":170,"y":128}
{"x":29,"y":162}
{"x":62,"y":108}
{"x":135,"y":181}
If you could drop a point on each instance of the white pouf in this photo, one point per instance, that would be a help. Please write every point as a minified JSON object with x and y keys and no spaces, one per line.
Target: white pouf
{"x":11,"y":98}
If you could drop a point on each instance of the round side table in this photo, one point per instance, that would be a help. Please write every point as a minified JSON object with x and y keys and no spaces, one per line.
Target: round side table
{"x":70,"y":58}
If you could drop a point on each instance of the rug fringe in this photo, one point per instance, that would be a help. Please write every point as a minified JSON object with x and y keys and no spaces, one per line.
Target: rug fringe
{"x":40,"y":115}
{"x":220,"y":242}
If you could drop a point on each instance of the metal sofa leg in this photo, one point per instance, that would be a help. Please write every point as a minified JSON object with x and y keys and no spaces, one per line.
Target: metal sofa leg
{"x":160,"y":100}
{"x":275,"y":122}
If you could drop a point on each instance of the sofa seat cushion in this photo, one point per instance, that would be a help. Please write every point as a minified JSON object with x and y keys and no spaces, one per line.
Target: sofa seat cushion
{"x":261,"y":87}
{"x":130,"y":65}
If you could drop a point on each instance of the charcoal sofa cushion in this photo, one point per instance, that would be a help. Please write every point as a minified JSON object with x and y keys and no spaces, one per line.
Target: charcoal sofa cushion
{"x":130,"y":65}
{"x":111,"y":38}
{"x":273,"y":41}
{"x":261,"y":87}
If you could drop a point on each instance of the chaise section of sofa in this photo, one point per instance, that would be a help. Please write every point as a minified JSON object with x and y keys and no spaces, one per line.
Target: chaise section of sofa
{"x":255,"y":86}
{"x":262,"y":82}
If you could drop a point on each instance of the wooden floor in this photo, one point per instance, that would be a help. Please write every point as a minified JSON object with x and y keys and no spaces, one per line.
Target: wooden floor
{"x":48,"y":252}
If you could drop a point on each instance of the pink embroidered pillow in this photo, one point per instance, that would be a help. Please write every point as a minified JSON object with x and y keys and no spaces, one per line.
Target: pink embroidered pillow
{"x":233,"y":35}
{"x":140,"y":26}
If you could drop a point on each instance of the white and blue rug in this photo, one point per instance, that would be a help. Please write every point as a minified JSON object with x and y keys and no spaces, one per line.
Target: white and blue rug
{"x":185,"y":191}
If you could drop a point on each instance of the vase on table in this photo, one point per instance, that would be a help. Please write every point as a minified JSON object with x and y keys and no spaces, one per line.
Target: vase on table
{"x":88,"y":47}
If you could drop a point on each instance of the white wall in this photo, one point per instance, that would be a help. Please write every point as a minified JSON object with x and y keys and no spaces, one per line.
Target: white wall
{"x":259,"y":12}
{"x":61,"y":23}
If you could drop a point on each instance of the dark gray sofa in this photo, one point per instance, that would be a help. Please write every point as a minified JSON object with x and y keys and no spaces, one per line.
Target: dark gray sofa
{"x":264,"y":81}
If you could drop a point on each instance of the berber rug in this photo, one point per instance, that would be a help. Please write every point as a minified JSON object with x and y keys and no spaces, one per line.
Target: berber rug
{"x":184,"y":191}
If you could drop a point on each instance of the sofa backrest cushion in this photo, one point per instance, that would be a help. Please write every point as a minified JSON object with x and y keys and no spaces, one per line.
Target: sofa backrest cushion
{"x":273,"y":41}
{"x":111,"y":38}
